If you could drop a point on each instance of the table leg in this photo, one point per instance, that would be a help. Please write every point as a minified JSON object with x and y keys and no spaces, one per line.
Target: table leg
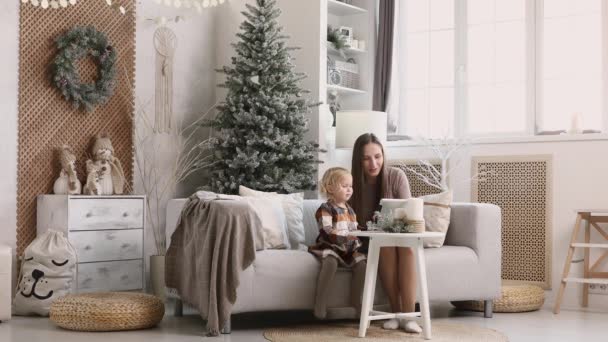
{"x":422,"y":288}
{"x":369,"y":287}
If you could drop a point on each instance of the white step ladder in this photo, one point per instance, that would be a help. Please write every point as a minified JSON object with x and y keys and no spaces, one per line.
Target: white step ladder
{"x":590,"y":275}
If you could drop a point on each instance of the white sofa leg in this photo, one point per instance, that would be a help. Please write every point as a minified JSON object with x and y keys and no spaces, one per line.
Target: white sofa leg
{"x":178,"y":311}
{"x":487,"y":308}
{"x":227,"y":329}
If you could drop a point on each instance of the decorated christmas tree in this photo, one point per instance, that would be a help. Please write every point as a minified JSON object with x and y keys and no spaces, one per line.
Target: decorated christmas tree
{"x":259,"y":141}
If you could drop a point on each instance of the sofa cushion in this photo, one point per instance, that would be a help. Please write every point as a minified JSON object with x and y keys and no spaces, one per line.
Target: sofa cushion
{"x":311,"y":229}
{"x":292,"y":205}
{"x":437,"y":216}
{"x":287,"y":280}
{"x":455,"y":265}
{"x":272,"y":217}
{"x":284,"y":279}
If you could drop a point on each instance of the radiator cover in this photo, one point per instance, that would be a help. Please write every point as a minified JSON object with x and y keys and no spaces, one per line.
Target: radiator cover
{"x":522,"y":187}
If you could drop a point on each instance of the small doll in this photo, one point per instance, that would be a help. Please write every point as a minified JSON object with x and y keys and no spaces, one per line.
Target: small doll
{"x":111,"y":175}
{"x":67,"y":183}
{"x":92,"y":186}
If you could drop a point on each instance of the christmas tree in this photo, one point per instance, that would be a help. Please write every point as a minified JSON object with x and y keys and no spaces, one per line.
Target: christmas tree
{"x":260,"y":127}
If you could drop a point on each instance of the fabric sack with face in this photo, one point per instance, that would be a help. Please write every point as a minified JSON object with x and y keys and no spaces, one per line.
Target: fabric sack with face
{"x":47,"y":273}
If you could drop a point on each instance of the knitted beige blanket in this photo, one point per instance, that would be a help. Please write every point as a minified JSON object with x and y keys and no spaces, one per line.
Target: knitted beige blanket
{"x":212,"y":244}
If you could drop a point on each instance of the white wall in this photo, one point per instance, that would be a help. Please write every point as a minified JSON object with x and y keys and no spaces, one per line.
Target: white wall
{"x":9,"y":26}
{"x":580,"y":180}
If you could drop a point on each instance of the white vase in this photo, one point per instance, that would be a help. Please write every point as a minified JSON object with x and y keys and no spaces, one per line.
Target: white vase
{"x":157,"y":275}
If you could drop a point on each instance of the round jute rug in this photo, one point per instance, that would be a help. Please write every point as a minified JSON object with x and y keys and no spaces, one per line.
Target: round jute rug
{"x":339,"y":332}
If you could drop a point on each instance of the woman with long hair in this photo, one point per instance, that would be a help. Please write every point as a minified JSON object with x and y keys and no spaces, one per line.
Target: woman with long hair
{"x":372,"y":181}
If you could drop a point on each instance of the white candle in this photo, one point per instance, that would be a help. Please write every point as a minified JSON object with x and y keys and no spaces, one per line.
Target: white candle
{"x":414,"y":209}
{"x":410,"y":209}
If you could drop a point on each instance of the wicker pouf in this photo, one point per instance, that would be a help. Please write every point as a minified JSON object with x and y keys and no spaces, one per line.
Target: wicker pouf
{"x":514,"y":298}
{"x":107,"y":311}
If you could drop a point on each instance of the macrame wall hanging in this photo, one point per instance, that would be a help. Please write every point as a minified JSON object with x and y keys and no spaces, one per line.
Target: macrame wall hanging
{"x":165,"y":43}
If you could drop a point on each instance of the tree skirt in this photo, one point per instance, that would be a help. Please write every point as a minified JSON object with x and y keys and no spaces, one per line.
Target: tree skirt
{"x":338,"y":332}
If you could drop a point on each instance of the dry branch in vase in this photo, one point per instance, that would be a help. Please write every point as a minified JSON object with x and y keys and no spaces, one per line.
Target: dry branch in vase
{"x":444,"y":149}
{"x":164,"y":160}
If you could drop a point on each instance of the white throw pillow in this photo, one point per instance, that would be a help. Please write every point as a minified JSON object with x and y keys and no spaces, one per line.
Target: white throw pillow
{"x":274,"y":226}
{"x":437,"y":216}
{"x":293,"y":208}
{"x":47,"y":273}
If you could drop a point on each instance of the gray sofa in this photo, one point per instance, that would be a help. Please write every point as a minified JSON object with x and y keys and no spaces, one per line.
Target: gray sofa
{"x":467,"y":267}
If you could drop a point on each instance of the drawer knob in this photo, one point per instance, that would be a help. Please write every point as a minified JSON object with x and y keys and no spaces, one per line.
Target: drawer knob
{"x":125,"y":214}
{"x":87,"y":247}
{"x":89,"y":214}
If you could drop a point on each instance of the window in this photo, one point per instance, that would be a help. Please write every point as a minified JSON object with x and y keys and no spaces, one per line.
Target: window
{"x":497,"y":67}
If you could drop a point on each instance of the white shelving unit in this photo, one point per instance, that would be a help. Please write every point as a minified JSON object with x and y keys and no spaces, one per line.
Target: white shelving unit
{"x":358,"y":16}
{"x":306,"y":22}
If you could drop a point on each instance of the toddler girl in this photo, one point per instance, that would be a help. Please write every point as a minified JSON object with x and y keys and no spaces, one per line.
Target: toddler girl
{"x":334,"y":246}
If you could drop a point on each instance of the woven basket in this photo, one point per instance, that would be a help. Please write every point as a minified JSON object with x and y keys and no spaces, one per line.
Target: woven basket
{"x":514,"y":298}
{"x":107,"y":311}
{"x":349,"y":73}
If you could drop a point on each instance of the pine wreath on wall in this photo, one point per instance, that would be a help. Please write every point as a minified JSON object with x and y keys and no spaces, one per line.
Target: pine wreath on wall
{"x":78,"y":43}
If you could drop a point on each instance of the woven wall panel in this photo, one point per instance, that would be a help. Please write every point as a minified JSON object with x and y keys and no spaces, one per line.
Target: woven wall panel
{"x":417,"y":186}
{"x":46,"y":120}
{"x":521,"y":187}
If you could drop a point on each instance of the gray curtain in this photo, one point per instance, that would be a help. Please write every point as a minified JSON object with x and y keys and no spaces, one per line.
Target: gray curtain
{"x":384,"y":53}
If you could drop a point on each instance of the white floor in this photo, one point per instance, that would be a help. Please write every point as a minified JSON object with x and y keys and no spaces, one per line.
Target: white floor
{"x":537,"y":326}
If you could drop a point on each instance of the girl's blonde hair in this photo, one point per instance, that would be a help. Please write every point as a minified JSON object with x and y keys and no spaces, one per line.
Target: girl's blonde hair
{"x":331,"y":180}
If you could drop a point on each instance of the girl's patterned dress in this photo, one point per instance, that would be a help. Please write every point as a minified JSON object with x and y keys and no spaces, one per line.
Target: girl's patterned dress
{"x":334,"y":225}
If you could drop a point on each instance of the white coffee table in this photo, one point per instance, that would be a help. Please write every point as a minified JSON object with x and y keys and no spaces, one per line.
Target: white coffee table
{"x":376,"y":241}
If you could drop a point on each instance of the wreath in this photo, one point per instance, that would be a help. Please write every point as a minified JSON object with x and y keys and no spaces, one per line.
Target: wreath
{"x":78,"y":43}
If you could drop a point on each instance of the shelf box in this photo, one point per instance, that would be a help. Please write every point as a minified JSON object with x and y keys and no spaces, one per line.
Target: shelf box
{"x":341,"y":9}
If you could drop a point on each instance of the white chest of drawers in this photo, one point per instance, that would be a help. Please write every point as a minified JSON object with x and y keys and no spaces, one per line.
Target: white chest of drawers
{"x":107,"y":233}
